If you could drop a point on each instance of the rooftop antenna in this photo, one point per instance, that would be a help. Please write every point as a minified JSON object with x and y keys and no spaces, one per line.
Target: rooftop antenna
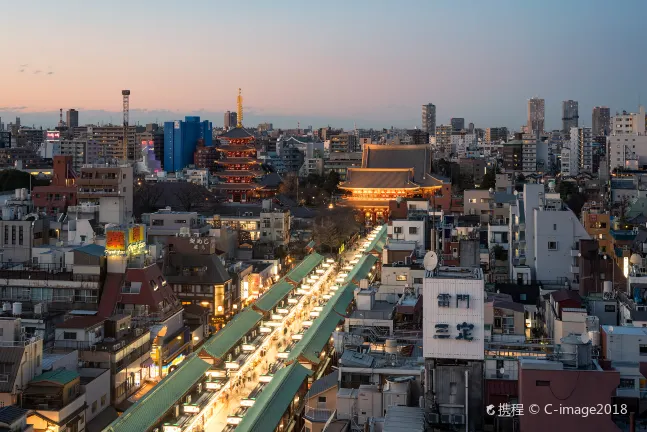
{"x":239,"y":102}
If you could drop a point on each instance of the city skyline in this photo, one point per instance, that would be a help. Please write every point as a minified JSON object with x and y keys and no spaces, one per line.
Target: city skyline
{"x":341,"y":77}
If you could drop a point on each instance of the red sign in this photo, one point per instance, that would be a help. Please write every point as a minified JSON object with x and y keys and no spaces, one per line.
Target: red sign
{"x":116,"y":240}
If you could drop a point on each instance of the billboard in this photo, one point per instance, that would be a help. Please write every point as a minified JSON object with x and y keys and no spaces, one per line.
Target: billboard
{"x":136,"y":234}
{"x":53,"y":135}
{"x":116,"y":241}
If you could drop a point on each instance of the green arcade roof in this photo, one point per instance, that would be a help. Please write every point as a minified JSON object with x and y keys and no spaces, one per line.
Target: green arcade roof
{"x":306,"y":266}
{"x":273,"y":296}
{"x":361,"y":269}
{"x":226,"y":338}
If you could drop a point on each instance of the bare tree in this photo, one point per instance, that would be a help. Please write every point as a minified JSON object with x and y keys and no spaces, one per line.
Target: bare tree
{"x":146,"y":197}
{"x":290,"y":185}
{"x":191,"y":196}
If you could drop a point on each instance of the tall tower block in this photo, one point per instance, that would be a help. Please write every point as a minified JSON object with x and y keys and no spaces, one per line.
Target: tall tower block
{"x":126,"y":107}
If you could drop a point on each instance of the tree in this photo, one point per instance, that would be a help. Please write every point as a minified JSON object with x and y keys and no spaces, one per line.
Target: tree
{"x":191,"y":196}
{"x":489,"y":180}
{"x":331,"y":182}
{"x":12,"y":179}
{"x":333,"y":227}
{"x":290,"y":185}
{"x":146,"y":197}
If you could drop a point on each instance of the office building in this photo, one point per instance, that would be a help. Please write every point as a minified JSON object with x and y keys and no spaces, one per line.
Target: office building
{"x":181,"y":139}
{"x":536,"y":115}
{"x":570,"y":116}
{"x":458,"y":124}
{"x":443,"y":136}
{"x":429,"y":118}
{"x":601,"y":121}
{"x":496,"y":135}
{"x":110,"y":140}
{"x":230,"y":120}
{"x":72,"y":118}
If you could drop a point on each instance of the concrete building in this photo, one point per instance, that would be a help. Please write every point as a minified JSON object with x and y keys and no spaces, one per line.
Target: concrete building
{"x":453,"y":345}
{"x":628,"y":141}
{"x":443,"y":137}
{"x":111,"y":188}
{"x":166,"y":223}
{"x":477,"y":202}
{"x":72,"y":116}
{"x":110,"y":140}
{"x":61,"y":193}
{"x":570,"y":116}
{"x":83,"y":150}
{"x":536,"y":115}
{"x":409,"y":230}
{"x":343,"y":143}
{"x":601,"y":121}
{"x":429,"y":119}
{"x":275,"y":225}
{"x":544,"y":236}
{"x":340,"y":162}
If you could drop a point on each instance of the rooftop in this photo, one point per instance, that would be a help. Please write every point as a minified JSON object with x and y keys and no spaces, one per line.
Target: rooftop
{"x":455,"y":273}
{"x":81,"y":322}
{"x":11,"y":413}
{"x":59,"y":376}
{"x":622,"y":330}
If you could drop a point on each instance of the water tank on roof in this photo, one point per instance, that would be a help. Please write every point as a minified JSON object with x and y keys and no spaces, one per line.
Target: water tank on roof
{"x":594,"y":337}
{"x":23,"y":194}
{"x":575,"y":353}
{"x":391,"y":346}
{"x":6,"y":307}
{"x":607,"y":286}
{"x":17,"y":309}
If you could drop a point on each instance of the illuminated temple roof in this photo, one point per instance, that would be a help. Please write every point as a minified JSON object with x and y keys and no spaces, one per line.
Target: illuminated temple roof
{"x":380,"y":178}
{"x":393,"y":167}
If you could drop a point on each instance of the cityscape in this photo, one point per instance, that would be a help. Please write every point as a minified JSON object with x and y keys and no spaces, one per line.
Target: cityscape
{"x":255,"y":240}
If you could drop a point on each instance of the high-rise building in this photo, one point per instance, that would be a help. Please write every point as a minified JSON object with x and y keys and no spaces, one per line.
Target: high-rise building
{"x":429,"y":118}
{"x":443,"y":135}
{"x":72,"y":118}
{"x":231,"y":119}
{"x":601,"y":124}
{"x":628,"y":140}
{"x":570,"y":116}
{"x":577,"y":154}
{"x":181,"y":139}
{"x":470,"y":128}
{"x":536,"y":115}
{"x":458,"y":124}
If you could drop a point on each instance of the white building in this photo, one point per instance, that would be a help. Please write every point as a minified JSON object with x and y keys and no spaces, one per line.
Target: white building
{"x":577,"y":154}
{"x":408,"y":230}
{"x":453,"y":313}
{"x":628,"y":140}
{"x":109,"y":186}
{"x":544,"y":237}
{"x":275,"y":225}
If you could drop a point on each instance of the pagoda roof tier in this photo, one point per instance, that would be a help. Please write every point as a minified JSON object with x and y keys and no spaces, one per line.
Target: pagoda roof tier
{"x":236,"y":148}
{"x":237,"y":133}
{"x":239,"y":173}
{"x":238,"y":160}
{"x":380,"y":178}
{"x":238,"y":186}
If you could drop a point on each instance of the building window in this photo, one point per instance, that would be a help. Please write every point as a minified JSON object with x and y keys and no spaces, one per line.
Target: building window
{"x":413,"y":230}
{"x":94,"y":407}
{"x":417,"y":280}
{"x":552,"y":245}
{"x":472,"y":200}
{"x":104,"y":398}
{"x":642,"y":349}
{"x":321,"y":399}
{"x":401,"y":277}
{"x":554,"y":227}
{"x":397,"y":230}
{"x":522,"y":297}
{"x":610,"y":308}
{"x":69,"y":335}
{"x":541,"y":383}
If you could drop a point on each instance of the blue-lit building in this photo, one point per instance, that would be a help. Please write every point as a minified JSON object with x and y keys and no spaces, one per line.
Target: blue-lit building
{"x":181,"y":139}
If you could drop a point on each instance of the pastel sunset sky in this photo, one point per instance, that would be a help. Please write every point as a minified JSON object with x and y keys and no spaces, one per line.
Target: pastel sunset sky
{"x":374,"y":62}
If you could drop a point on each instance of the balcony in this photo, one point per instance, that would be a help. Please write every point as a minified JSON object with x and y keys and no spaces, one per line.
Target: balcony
{"x":575,"y":269}
{"x":321,"y":415}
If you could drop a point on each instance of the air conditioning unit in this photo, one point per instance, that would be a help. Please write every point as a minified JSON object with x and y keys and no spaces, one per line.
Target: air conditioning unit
{"x":458,"y":419}
{"x":445,"y":418}
{"x":433,"y":418}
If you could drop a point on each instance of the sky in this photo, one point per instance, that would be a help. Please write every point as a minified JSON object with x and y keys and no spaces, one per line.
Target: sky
{"x":372,"y":63}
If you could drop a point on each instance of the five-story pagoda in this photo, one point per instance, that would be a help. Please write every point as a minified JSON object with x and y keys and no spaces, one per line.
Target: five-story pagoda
{"x":238,"y":168}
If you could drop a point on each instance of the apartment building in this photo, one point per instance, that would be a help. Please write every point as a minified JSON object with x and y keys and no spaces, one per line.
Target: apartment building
{"x":628,"y":140}
{"x":109,"y":186}
{"x":275,"y":225}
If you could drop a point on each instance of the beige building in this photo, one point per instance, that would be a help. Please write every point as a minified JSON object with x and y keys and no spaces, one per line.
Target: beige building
{"x":110,"y":187}
{"x":321,"y":402}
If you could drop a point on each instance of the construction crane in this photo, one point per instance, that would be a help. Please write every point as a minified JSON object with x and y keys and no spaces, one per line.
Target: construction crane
{"x":126,"y":107}
{"x":240,"y":109}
